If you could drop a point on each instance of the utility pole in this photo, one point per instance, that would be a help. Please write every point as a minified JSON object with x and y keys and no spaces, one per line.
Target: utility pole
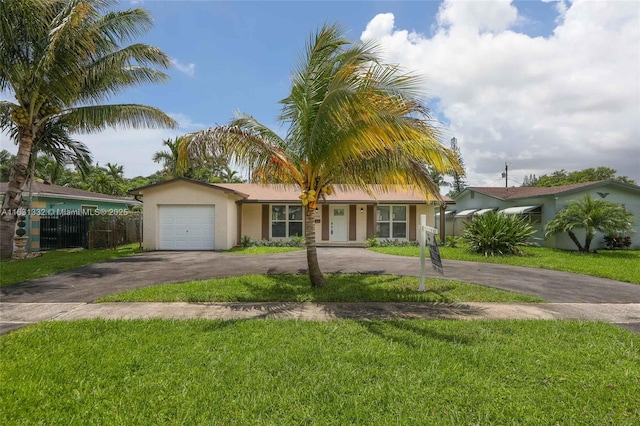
{"x":505,"y":175}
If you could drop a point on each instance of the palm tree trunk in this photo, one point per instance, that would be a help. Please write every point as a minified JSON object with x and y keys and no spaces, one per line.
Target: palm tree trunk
{"x":575,"y":240}
{"x":315,"y":274}
{"x":13,"y":198}
{"x":587,"y":241}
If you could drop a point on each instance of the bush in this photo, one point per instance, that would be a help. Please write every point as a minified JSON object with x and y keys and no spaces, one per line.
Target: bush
{"x":372,"y":242}
{"x":387,"y":242}
{"x":397,"y":243}
{"x":616,"y":242}
{"x":452,"y":241}
{"x":497,"y":234}
{"x":247,"y":241}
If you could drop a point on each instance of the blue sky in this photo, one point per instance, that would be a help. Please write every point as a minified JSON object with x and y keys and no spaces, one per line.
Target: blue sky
{"x":542,"y":86}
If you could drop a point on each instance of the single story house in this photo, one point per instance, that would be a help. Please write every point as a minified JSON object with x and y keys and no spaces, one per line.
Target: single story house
{"x":540,"y":205}
{"x":48,"y":201}
{"x":183,"y":214}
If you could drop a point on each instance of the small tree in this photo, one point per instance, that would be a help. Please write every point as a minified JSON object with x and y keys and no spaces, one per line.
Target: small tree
{"x":497,"y":234}
{"x":592,"y":216}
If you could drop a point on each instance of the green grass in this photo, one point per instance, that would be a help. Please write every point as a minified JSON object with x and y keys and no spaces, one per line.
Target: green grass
{"x":262,"y":250}
{"x":340,"y":288}
{"x":621,"y":265}
{"x":16,"y":271}
{"x":326,"y":373}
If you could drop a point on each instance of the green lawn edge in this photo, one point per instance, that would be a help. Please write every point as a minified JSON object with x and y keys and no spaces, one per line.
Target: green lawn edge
{"x":340,"y":288}
{"x":620,"y":265}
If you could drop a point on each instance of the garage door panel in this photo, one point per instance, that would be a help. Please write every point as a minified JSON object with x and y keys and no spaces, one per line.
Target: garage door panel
{"x":188,"y":227}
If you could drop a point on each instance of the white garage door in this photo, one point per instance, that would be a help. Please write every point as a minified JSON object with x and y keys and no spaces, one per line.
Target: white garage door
{"x":186,"y":227}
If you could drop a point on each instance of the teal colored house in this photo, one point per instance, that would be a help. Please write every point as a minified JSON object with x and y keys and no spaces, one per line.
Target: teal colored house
{"x":48,"y":200}
{"x":540,"y":205}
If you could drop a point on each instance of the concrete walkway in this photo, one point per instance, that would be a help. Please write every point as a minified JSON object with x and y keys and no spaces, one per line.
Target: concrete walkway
{"x":68,"y":295}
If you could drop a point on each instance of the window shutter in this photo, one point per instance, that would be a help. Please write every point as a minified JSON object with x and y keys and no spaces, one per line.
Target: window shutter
{"x":352,"y":222}
{"x":371,"y":221}
{"x":412,"y":223}
{"x":325,"y":222}
{"x":265,"y":222}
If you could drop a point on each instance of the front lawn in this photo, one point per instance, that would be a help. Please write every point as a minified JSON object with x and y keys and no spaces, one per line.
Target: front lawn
{"x":621,"y":265}
{"x":336,"y":372}
{"x":50,"y":262}
{"x":340,"y":288}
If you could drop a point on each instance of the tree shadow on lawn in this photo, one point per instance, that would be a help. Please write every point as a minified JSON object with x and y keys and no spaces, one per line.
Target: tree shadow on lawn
{"x":414,"y":334}
{"x":349,"y":288}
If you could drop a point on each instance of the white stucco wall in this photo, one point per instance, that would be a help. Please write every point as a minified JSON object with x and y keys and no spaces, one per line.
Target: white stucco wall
{"x":252,"y":221}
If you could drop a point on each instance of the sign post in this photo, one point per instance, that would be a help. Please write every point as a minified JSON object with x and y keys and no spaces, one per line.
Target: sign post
{"x":428,"y":239}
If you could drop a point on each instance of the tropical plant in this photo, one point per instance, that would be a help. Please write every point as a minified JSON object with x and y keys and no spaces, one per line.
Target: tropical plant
{"x":591,"y":216}
{"x":615,"y":242}
{"x":352,"y":119}
{"x":6,"y":160}
{"x":62,"y":59}
{"x":169,"y":158}
{"x":497,"y":234}
{"x":209,"y":169}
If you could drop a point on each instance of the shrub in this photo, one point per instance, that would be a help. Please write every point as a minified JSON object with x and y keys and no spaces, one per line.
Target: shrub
{"x":497,"y":234}
{"x":615,"y":242}
{"x":297,"y":241}
{"x":397,"y":243}
{"x":247,"y":241}
{"x":372,"y":242}
{"x":452,"y":241}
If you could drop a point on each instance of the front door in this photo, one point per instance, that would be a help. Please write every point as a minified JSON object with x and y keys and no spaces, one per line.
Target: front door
{"x":338,"y":227}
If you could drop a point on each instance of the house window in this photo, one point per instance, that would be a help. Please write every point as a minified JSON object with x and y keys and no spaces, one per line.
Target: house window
{"x":391,"y":221}
{"x":286,"y":221}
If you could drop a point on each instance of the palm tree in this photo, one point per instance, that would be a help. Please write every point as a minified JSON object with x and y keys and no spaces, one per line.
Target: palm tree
{"x":63,"y":59}
{"x":169,"y":159}
{"x":592,"y":216}
{"x":351,"y":119}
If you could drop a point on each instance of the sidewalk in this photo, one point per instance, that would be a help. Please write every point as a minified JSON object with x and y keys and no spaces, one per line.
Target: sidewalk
{"x":15,"y":315}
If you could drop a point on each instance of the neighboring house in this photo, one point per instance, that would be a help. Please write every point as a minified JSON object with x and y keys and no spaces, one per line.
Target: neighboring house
{"x":48,"y":201}
{"x":182,"y":214}
{"x":540,"y":205}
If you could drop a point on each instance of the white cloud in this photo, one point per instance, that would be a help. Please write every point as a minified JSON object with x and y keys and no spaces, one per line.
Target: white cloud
{"x":567,"y":101}
{"x":188,"y":69}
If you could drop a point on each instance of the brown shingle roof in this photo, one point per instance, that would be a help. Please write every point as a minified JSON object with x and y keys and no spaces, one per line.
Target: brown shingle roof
{"x":255,"y":193}
{"x":529,"y":191}
{"x":45,"y":189}
{"x":289,"y":193}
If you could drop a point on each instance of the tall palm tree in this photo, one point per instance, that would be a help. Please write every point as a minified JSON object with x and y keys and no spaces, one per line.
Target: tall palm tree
{"x":169,"y":158}
{"x":351,"y":119}
{"x":63,"y":59}
{"x":592,"y":216}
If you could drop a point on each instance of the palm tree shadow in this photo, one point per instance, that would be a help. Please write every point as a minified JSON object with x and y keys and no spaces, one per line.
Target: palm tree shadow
{"x":413,"y":334}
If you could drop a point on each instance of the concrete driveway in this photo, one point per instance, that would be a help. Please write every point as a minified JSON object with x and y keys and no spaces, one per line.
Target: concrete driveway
{"x":86,"y":284}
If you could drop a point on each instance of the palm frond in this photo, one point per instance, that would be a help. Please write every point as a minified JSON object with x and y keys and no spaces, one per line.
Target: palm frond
{"x":95,"y":118}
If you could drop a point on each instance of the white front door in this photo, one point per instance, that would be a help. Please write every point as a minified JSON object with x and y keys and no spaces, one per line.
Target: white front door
{"x":339,"y":223}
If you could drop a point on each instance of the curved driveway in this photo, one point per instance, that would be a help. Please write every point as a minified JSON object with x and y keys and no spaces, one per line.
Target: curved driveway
{"x":89,"y":283}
